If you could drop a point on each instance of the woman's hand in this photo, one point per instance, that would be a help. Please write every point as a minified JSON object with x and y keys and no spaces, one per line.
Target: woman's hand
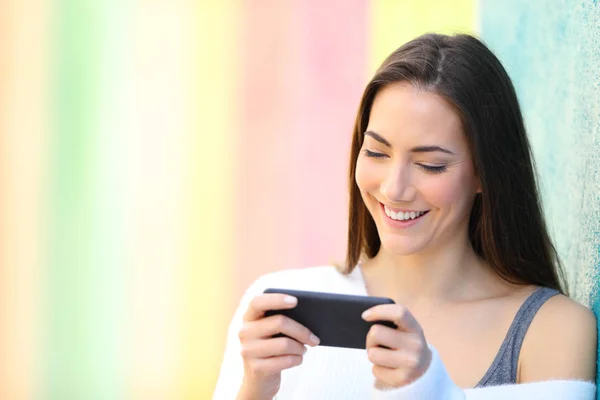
{"x":406,"y":357}
{"x":265,"y":356}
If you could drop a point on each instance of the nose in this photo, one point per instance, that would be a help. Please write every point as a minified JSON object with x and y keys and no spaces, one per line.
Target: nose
{"x":397,"y":186}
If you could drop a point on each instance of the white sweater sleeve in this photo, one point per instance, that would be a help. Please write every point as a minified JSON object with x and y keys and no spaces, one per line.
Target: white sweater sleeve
{"x":436,"y":384}
{"x":232,"y":367}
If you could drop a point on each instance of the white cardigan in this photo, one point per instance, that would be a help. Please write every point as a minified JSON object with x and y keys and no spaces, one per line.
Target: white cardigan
{"x":336,"y":373}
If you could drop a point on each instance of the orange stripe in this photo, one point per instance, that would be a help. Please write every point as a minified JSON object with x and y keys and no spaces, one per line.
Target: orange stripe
{"x":24,"y":122}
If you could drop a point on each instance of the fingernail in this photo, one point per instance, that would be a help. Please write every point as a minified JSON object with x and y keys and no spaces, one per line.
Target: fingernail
{"x":366,"y":314}
{"x":314,"y":340}
{"x":305,"y":350}
{"x":290,"y":300}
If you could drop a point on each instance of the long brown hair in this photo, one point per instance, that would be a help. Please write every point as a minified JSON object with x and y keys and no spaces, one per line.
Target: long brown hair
{"x":506,"y":226}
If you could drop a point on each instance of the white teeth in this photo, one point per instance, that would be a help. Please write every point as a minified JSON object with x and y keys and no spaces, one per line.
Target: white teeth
{"x":401,"y":215}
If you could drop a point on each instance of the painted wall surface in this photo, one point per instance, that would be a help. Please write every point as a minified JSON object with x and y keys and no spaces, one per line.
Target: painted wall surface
{"x":552,"y":52}
{"x":158,"y":156}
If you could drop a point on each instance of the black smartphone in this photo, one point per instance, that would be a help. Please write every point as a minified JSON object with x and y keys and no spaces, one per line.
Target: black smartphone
{"x":334,"y":318}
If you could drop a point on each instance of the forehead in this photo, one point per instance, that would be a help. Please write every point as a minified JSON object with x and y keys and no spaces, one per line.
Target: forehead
{"x":402,"y":112}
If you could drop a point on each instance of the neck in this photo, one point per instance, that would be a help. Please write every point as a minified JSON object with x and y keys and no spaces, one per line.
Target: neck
{"x":447,"y":274}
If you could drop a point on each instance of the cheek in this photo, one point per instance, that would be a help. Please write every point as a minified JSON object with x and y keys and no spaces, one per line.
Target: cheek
{"x":366,"y":175}
{"x":448,"y":190}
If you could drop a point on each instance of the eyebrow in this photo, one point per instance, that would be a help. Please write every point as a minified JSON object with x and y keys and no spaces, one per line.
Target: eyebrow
{"x":427,"y":149}
{"x":417,"y":149}
{"x":379,"y":138}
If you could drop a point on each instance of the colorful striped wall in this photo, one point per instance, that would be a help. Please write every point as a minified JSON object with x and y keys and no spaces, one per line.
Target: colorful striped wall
{"x":158,"y":156}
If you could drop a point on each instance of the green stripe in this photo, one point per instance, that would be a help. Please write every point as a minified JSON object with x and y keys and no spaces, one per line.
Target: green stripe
{"x":85,"y":271}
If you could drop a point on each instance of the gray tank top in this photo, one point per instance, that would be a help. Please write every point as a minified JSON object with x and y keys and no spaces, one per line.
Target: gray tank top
{"x":503,"y":370}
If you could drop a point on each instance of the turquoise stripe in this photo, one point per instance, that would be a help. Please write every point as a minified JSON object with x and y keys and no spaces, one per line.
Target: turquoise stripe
{"x":551,"y":49}
{"x":85,"y":273}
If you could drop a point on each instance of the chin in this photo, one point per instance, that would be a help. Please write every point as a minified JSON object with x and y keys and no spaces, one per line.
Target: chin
{"x":402,"y":245}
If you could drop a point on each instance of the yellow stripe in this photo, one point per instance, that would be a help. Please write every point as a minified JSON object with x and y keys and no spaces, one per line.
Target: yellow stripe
{"x":157,"y":148}
{"x":207,"y":286}
{"x":394,"y":22}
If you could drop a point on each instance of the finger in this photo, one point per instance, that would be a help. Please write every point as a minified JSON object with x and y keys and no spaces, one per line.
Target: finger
{"x":268,"y":301}
{"x":392,"y":358}
{"x":267,"y":327}
{"x":272,"y":348}
{"x":273,"y":365}
{"x":380,"y":335}
{"x":394,"y":313}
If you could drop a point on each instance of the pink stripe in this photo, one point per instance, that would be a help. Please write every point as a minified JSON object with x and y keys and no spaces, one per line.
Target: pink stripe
{"x":305,"y":65}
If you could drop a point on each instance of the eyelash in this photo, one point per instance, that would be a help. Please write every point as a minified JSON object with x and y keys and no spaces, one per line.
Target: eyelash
{"x":433,"y":170}
{"x":372,"y":154}
{"x":426,"y":168}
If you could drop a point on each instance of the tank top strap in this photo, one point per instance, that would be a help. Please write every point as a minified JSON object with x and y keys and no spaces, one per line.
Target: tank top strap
{"x":503,"y":370}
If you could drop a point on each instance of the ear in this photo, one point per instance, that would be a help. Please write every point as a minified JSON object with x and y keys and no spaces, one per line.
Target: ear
{"x":478,"y":185}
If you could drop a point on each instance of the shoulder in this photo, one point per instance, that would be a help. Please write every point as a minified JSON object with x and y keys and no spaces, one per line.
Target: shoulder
{"x":560,"y":343}
{"x":320,"y":279}
{"x":325,"y":278}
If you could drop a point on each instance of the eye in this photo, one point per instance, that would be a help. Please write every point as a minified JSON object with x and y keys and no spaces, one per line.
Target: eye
{"x":373,"y":154}
{"x":433,"y":169}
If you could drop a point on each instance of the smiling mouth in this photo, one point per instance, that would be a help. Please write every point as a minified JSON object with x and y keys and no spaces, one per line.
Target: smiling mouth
{"x":404,"y":215}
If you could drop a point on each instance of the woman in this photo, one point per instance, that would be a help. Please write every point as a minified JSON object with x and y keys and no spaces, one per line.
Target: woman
{"x":445,"y":219}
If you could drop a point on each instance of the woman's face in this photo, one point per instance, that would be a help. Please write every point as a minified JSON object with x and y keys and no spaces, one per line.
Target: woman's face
{"x":415,"y":171}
